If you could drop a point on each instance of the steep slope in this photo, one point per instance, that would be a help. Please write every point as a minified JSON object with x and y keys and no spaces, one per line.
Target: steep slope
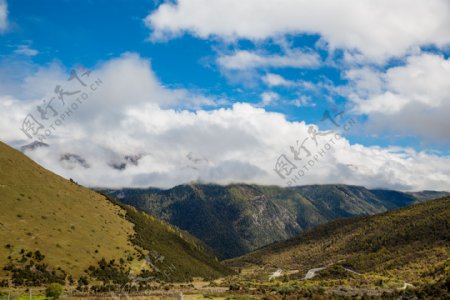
{"x":337,"y":201}
{"x":231,"y":221}
{"x":239,"y":218}
{"x":410,"y":243}
{"x":50,"y":223}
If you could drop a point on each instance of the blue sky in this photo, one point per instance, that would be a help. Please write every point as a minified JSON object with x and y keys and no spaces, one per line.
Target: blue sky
{"x":290,"y":58}
{"x":88,"y":32}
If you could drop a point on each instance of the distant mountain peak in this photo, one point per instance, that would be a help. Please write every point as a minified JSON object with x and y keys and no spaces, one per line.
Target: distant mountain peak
{"x":71,"y":160}
{"x":123,"y":162}
{"x":32,"y":146}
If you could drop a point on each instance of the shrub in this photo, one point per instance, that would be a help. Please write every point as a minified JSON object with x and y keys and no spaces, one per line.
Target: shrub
{"x":39,"y":256}
{"x":54,"y":291}
{"x":82,"y":281}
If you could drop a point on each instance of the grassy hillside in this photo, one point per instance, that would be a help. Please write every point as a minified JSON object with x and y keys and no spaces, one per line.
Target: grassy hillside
{"x":410,"y":245}
{"x":238,"y":218}
{"x":184,"y":255}
{"x":74,"y":228}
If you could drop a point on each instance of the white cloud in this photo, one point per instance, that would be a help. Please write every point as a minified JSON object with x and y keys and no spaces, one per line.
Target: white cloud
{"x":26,"y":50}
{"x":303,"y":101}
{"x":411,"y":99}
{"x":365,"y":81}
{"x":268,"y":98}
{"x":244,"y":60}
{"x":3,"y":15}
{"x":274,"y":80}
{"x":132,"y":115}
{"x":377,"y":29}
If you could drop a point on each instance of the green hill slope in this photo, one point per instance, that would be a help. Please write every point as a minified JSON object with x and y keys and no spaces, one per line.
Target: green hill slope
{"x":53,"y":227}
{"x":236,"y":219}
{"x":410,"y":244}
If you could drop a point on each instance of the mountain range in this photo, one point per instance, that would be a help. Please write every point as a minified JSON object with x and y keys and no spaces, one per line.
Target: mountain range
{"x":236,"y":219}
{"x":322,"y":241}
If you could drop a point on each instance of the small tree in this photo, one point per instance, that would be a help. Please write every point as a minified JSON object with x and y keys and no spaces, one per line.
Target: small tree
{"x":54,"y":291}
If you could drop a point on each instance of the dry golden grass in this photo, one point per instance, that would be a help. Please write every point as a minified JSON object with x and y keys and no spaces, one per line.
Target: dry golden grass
{"x":67,"y":223}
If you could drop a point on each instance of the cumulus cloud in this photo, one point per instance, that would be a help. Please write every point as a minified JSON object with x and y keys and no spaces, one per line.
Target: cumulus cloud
{"x":244,"y":60}
{"x":376,"y":29}
{"x":131,"y":132}
{"x":411,"y":99}
{"x":3,"y":15}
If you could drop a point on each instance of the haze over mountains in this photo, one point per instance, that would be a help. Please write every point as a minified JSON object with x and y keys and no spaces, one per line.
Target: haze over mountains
{"x":236,"y":219}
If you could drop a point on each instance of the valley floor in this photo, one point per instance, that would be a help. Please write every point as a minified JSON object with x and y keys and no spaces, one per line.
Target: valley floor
{"x":247,"y":286}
